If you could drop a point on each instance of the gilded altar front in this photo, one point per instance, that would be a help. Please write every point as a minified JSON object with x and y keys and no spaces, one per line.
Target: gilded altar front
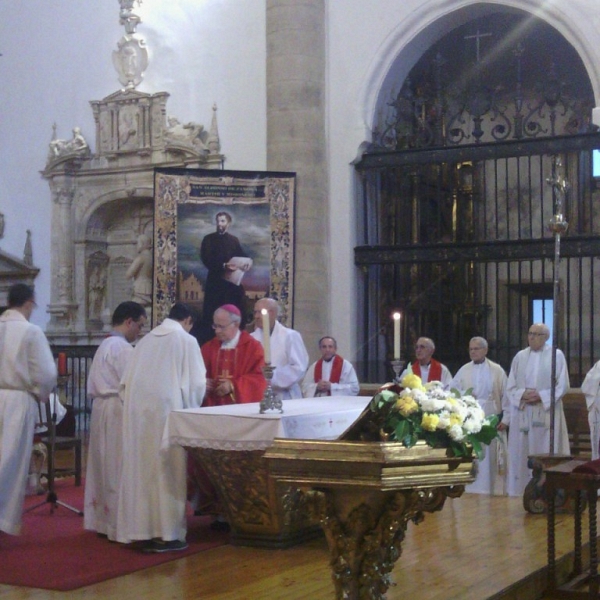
{"x":229,"y":442}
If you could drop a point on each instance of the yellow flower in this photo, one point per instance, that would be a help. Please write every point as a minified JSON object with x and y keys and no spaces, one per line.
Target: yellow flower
{"x":429,"y":421}
{"x":455,"y":419}
{"x":412,"y":381}
{"x":406,"y":405}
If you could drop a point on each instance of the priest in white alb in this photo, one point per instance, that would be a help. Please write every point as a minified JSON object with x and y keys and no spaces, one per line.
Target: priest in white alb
{"x":591,"y":389}
{"x":288,"y":352}
{"x":425,"y":366}
{"x":27,"y":376}
{"x":331,"y":375}
{"x":105,"y":450}
{"x":528,"y":394}
{"x":487,"y":382}
{"x":165,"y":373}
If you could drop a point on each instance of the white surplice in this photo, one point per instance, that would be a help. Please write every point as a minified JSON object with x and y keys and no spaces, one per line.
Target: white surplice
{"x":530,"y":424}
{"x":27,"y":373}
{"x":290,"y":359}
{"x":165,"y":372}
{"x":591,"y":388}
{"x":105,"y":451}
{"x":347,"y":386}
{"x":487,"y":381}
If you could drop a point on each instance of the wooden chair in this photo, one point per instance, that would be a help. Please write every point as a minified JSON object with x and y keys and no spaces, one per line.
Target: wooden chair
{"x":52,"y":442}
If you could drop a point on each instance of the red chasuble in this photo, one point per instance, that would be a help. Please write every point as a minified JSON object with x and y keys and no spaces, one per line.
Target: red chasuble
{"x":435,"y":370}
{"x":242,"y":365}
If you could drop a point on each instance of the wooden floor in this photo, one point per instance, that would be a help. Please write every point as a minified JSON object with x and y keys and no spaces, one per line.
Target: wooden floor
{"x":474,"y":548}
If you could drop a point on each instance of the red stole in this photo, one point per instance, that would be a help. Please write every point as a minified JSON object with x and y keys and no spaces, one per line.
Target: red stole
{"x":435,"y":370}
{"x":336,"y":370}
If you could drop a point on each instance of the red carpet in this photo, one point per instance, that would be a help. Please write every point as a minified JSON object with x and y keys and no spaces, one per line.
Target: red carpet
{"x":54,"y":552}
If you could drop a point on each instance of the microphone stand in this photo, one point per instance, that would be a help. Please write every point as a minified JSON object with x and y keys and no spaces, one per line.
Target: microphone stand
{"x":52,"y":496}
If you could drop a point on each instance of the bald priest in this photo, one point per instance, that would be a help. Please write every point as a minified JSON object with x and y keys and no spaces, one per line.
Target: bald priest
{"x":331,"y":375}
{"x":233,"y":360}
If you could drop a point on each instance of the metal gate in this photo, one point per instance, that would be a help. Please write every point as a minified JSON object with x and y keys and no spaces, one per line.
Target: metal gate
{"x":457,"y":239}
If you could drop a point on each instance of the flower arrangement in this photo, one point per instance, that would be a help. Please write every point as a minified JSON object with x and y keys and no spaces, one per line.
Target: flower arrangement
{"x":443,"y":419}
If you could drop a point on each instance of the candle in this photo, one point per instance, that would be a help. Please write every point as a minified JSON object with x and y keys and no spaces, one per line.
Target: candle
{"x":62,"y":363}
{"x":396,"y":336}
{"x":266,"y":335}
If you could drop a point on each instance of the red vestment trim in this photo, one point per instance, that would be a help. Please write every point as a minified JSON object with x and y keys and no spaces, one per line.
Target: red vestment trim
{"x":435,"y":370}
{"x":336,"y":370}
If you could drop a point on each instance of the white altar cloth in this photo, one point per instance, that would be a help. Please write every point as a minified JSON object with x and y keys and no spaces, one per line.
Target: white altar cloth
{"x":242,"y":427}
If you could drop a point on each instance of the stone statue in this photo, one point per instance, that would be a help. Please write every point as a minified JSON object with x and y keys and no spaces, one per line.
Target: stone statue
{"x":76,"y":145}
{"x":189,"y":134}
{"x":97,"y":288}
{"x":140,"y":271}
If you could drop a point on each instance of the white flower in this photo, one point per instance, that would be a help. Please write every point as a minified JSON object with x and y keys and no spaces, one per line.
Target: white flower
{"x":456,"y":433}
{"x":444,"y":421}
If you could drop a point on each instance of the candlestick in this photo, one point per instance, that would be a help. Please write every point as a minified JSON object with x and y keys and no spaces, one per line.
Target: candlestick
{"x":266,"y":335}
{"x":271,"y":400}
{"x":396,"y":336}
{"x":62,"y":363}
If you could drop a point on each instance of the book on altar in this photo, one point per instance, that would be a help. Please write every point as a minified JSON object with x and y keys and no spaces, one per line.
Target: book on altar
{"x":242,"y":264}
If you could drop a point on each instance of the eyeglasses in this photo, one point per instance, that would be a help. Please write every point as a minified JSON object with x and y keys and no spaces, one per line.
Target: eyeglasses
{"x":216,"y":326}
{"x":535,"y":333}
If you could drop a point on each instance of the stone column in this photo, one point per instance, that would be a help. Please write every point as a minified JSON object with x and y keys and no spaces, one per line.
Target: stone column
{"x":62,"y":304}
{"x":296,"y":142}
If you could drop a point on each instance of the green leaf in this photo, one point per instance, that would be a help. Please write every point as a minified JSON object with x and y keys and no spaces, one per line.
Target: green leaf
{"x":486,"y":435}
{"x":477,"y":447}
{"x":493,"y":421}
{"x":402,"y":429}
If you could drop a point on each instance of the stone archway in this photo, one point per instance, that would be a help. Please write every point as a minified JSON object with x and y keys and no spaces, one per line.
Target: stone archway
{"x":433,"y":214}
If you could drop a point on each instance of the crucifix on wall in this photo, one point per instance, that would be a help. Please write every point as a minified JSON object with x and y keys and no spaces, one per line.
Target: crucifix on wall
{"x":477,"y":37}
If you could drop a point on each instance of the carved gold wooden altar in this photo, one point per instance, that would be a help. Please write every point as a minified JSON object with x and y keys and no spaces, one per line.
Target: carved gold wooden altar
{"x":364,"y":494}
{"x":260,"y":511}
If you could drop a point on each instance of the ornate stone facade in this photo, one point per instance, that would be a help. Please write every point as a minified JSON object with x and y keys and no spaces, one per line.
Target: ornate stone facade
{"x":103,"y":203}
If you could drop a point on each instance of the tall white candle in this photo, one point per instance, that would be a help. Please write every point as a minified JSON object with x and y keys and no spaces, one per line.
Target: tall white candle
{"x":396,"y":336}
{"x":266,"y":335}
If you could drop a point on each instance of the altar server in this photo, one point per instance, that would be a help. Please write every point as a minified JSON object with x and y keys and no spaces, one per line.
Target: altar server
{"x":166,"y":372}
{"x":27,"y":376}
{"x":105,"y":451}
{"x":528,"y":393}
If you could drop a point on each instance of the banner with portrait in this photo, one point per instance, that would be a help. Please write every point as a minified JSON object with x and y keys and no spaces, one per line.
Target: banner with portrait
{"x":223,"y":237}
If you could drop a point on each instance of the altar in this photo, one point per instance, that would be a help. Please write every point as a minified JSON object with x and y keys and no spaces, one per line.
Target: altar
{"x":230,"y":442}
